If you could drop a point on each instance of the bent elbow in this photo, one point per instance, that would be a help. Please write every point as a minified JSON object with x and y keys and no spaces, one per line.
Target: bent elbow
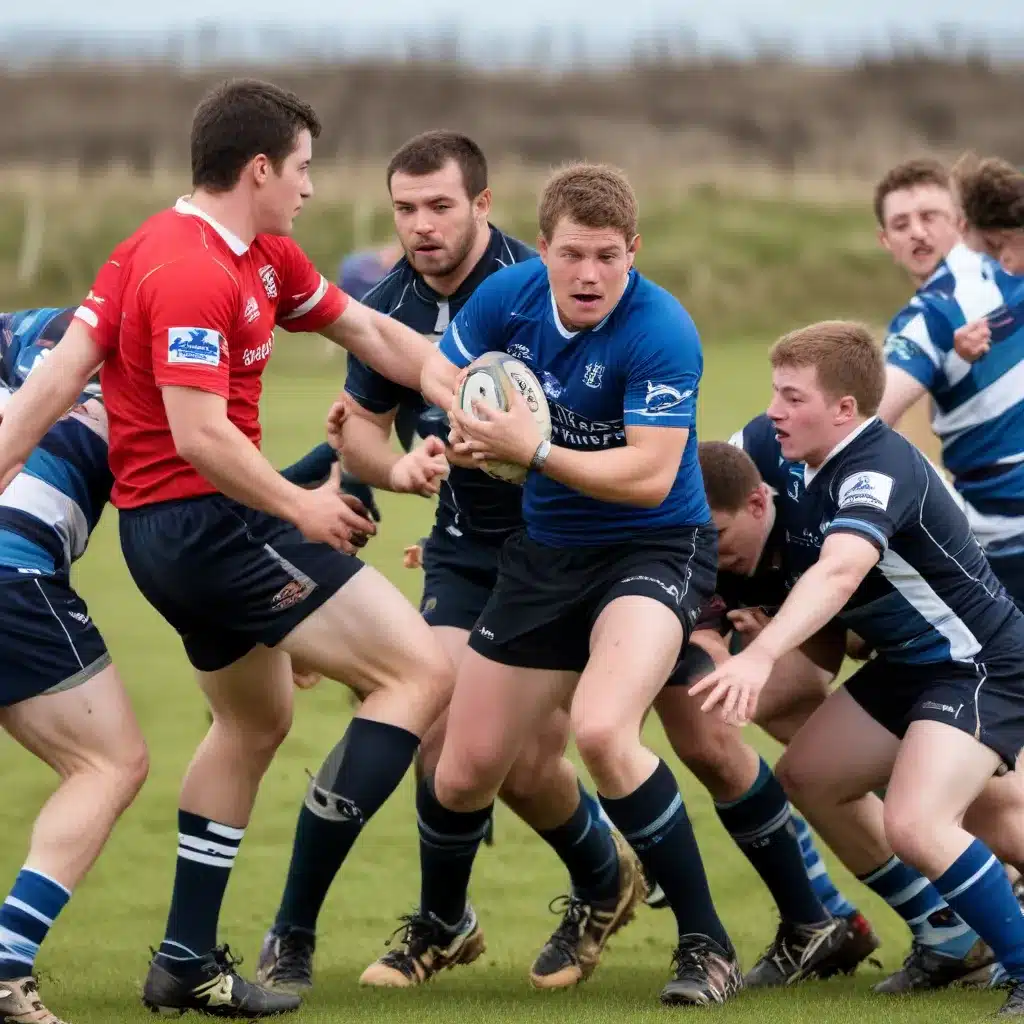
{"x":656,"y":489}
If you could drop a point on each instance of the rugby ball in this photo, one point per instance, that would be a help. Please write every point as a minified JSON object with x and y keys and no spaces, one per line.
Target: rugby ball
{"x":490,"y":381}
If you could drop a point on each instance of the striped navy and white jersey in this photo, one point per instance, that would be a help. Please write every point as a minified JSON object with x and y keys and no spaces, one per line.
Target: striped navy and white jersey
{"x":977,"y":408}
{"x":49,"y":510}
{"x":932,"y":596}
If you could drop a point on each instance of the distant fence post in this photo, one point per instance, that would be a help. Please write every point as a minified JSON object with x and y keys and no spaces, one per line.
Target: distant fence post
{"x":31,"y":251}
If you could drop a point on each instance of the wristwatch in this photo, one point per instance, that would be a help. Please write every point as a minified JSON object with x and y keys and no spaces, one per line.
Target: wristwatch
{"x":540,"y":456}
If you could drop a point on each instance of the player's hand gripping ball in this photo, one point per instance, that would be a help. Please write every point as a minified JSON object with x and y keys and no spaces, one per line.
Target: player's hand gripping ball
{"x":491,"y":380}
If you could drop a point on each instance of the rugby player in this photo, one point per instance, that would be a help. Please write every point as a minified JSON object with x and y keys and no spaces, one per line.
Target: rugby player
{"x":438,"y":186}
{"x":991,"y":193}
{"x":247,"y":567}
{"x":597,"y":596}
{"x":61,"y":697}
{"x":752,"y":584}
{"x":875,"y":538}
{"x":976,"y":409}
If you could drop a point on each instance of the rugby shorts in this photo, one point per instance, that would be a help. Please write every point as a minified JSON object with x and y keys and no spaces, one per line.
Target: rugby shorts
{"x":460,"y":572}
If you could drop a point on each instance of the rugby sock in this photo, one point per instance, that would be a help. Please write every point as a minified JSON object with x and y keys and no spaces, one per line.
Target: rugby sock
{"x":933,"y":923}
{"x":824,"y":888}
{"x":206,"y":854}
{"x":654,"y":822}
{"x":26,"y":916}
{"x":597,"y":812}
{"x":759,"y":824}
{"x":448,"y":843}
{"x":359,"y":774}
{"x":977,"y":888}
{"x":585,"y":847}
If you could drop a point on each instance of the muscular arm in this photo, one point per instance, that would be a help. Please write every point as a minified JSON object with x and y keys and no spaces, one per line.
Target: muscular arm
{"x":819,"y":595}
{"x":366,"y":442}
{"x":206,"y":438}
{"x":50,"y":390}
{"x":391,"y":348}
{"x":902,"y":390}
{"x":438,"y":380}
{"x":640,"y":473}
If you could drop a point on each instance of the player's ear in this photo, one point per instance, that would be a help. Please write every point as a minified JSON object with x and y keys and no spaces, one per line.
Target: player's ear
{"x":259,"y":167}
{"x":632,"y":249}
{"x":847,"y":409}
{"x":883,"y":240}
{"x":482,"y":204}
{"x":757,"y":501}
{"x":542,"y":247}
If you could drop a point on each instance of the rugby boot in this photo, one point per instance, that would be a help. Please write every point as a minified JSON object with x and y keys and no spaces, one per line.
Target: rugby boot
{"x":214,"y":988}
{"x":857,"y":946}
{"x":20,"y":1003}
{"x":286,"y":961}
{"x":1014,"y":1005}
{"x":926,"y":969}
{"x":574,"y":950}
{"x":797,"y":951}
{"x":428,"y":946}
{"x":703,"y":973}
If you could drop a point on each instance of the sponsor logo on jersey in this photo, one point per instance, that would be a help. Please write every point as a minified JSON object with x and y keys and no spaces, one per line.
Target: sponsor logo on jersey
{"x":662,"y":397}
{"x":193,"y":346}
{"x":252,"y":310}
{"x":868,"y":488}
{"x":259,"y":353}
{"x":593,"y":375}
{"x":269,"y":279}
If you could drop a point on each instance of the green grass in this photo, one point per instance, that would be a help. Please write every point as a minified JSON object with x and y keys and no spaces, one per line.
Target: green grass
{"x":93,"y":965}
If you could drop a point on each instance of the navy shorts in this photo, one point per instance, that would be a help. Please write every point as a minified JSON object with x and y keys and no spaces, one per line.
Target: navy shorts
{"x":983,"y":697}
{"x":459,"y":576}
{"x":48,"y":641}
{"x":547,"y":599}
{"x":228,"y":577}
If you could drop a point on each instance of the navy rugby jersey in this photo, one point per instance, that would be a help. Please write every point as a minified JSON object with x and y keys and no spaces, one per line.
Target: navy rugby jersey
{"x":50,"y":509}
{"x":978,"y":408}
{"x":470,"y":500}
{"x":640,"y":366}
{"x":932,"y":596}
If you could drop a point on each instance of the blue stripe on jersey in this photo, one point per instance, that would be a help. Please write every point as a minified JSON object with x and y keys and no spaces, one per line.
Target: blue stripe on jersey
{"x":28,"y":543}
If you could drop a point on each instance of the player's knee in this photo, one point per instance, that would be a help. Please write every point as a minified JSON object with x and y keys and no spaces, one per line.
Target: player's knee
{"x":467,"y":782}
{"x":799,"y":778}
{"x":716,"y":756}
{"x":909,"y":831}
{"x":604,"y":743}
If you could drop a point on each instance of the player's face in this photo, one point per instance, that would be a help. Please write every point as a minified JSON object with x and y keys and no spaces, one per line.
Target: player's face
{"x":436,"y":220}
{"x":588,"y":269}
{"x":920,"y":228}
{"x":808,"y":423}
{"x":282,"y":193}
{"x":742,"y":534}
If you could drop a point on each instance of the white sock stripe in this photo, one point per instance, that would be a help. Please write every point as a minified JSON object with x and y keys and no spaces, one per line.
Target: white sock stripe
{"x":201,"y":858}
{"x":947,"y":896}
{"x":882,"y":871}
{"x":816,"y":871}
{"x":225,"y":831}
{"x":207,"y":845}
{"x":918,"y":886}
{"x":47,"y":878}
{"x":25,"y":908}
{"x":170,"y":942}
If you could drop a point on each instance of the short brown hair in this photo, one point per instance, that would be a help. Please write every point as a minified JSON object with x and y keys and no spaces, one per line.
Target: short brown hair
{"x":991,"y":192}
{"x":242,"y":119}
{"x":730,"y":475}
{"x":428,"y":152}
{"x":847,"y":359}
{"x":923,"y":171}
{"x":591,"y":195}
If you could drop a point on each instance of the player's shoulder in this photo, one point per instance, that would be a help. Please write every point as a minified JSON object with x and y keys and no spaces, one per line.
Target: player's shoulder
{"x":509,"y":250}
{"x":759,"y":440}
{"x":521,"y":289}
{"x":881,"y":450}
{"x":649,"y":310}
{"x":387,"y":292}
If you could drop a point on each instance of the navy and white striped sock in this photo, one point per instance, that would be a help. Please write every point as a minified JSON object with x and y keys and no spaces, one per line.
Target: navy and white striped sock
{"x":26,"y":917}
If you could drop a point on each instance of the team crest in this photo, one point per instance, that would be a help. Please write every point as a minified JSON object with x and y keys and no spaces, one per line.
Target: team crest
{"x":593,"y":375}
{"x":269,"y":280}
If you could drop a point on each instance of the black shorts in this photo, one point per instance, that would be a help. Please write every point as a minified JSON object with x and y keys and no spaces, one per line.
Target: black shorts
{"x":48,"y":642}
{"x":983,"y":697}
{"x":227,"y":577}
{"x":547,"y":599}
{"x":459,"y":576}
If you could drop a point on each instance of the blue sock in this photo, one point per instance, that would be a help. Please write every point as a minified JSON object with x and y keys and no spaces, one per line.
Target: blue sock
{"x":597,"y":812}
{"x":26,"y":917}
{"x":977,"y":888}
{"x":654,"y":822}
{"x":825,"y":889}
{"x":206,"y":855}
{"x":758,"y":823}
{"x":931,"y":920}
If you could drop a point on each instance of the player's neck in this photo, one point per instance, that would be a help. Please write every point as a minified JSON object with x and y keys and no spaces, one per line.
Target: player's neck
{"x":229,"y":209}
{"x":450,"y":283}
{"x":838,"y":441}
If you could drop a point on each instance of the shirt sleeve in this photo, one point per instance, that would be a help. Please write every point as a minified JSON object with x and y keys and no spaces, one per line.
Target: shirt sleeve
{"x":663,"y":375}
{"x":372,"y":390}
{"x":191,"y":307}
{"x":873,"y":497}
{"x":479,"y":325}
{"x":918,"y":347}
{"x":307,"y":301}
{"x":101,"y":308}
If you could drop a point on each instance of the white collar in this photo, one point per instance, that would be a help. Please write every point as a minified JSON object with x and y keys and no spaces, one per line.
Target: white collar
{"x":235,"y":244}
{"x":810,"y":474}
{"x":568,"y":334}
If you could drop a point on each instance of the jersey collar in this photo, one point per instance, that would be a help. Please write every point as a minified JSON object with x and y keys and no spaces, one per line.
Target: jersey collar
{"x":234,"y":243}
{"x":810,"y":474}
{"x":569,"y":335}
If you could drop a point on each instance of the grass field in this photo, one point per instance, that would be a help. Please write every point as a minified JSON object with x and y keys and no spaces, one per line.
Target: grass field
{"x":93,"y":966}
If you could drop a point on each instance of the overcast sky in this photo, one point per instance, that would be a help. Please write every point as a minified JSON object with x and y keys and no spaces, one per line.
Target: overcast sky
{"x":814,"y":25}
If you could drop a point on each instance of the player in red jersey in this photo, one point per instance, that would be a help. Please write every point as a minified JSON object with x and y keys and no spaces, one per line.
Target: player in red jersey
{"x":249,"y":568}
